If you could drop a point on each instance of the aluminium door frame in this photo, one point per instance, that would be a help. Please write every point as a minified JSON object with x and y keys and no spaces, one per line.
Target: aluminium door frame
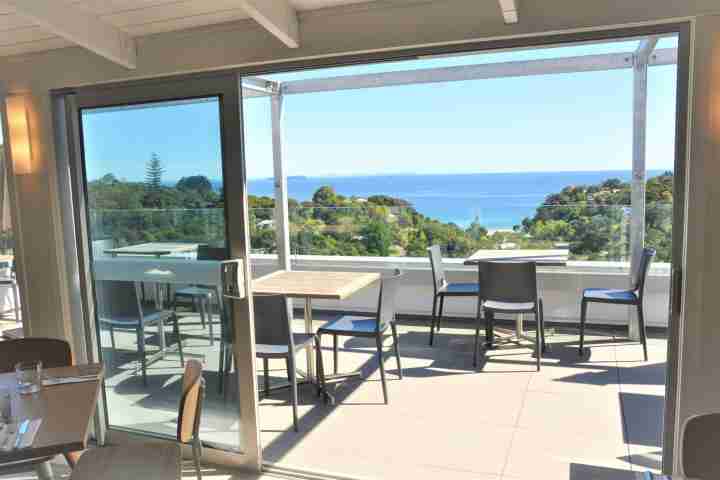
{"x":226,"y":87}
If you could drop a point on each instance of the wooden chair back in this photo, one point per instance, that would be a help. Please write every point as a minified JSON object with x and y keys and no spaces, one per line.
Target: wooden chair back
{"x":190,"y":410}
{"x":51,"y":352}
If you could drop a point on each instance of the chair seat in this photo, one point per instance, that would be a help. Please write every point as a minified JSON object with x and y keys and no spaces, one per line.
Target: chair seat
{"x":151,"y":316}
{"x":509,"y":307}
{"x":459,"y":289}
{"x":139,"y":461}
{"x":301,"y":340}
{"x":350,"y":325}
{"x":609,"y":295}
{"x":194,"y":292}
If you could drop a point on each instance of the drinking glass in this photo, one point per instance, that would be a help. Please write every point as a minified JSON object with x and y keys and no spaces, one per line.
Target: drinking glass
{"x":29,"y":376}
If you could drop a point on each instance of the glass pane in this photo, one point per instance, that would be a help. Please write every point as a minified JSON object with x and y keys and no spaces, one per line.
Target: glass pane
{"x":157,"y":228}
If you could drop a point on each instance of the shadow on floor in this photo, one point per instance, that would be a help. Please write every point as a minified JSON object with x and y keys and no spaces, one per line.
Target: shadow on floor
{"x":579,"y":471}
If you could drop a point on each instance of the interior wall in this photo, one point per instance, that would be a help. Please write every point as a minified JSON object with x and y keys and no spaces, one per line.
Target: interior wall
{"x":359,"y":28}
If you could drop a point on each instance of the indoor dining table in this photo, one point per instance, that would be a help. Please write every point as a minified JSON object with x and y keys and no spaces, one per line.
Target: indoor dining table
{"x":66,"y":410}
{"x":308,"y":285}
{"x":542,"y":258}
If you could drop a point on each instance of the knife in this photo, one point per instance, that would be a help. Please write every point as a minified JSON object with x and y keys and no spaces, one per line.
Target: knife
{"x":22,"y":429}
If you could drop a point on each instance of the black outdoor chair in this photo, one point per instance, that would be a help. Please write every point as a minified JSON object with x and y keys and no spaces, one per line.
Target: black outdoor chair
{"x":367,"y":327}
{"x":274,"y":339}
{"x":442,"y":288}
{"x":510,"y":287}
{"x":120,"y":307}
{"x":633,"y":296}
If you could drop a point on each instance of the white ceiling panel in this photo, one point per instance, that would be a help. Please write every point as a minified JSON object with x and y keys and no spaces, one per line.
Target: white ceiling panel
{"x":185,"y":22}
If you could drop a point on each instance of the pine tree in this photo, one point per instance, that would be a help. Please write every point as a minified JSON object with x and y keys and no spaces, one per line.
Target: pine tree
{"x":153,"y":174}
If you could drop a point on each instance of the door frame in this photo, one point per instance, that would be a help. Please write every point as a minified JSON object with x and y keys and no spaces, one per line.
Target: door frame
{"x":225,"y":86}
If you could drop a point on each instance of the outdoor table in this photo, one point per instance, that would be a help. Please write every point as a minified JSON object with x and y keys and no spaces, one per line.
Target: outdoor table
{"x":66,"y":411}
{"x":313,"y":284}
{"x":154,"y":249}
{"x":542,"y":258}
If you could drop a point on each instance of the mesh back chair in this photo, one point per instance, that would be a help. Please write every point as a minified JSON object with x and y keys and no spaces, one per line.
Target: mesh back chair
{"x":442,"y":288}
{"x":700,"y":439}
{"x":201,"y":296}
{"x":367,"y":327}
{"x":633,"y":296}
{"x":274,"y":339}
{"x":120,"y":307}
{"x":510,"y":287}
{"x":52,"y":353}
{"x":153,"y":460}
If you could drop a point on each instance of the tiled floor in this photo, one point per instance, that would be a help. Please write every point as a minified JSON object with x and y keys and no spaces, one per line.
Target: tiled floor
{"x":593,"y":417}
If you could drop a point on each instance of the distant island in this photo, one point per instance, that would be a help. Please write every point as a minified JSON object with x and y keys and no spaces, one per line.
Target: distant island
{"x":591,"y":220}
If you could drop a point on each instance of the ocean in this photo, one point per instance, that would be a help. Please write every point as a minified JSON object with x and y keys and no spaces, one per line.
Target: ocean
{"x":498,"y":200}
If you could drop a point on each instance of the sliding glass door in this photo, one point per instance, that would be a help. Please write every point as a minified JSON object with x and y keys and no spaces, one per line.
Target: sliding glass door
{"x":161,"y":189}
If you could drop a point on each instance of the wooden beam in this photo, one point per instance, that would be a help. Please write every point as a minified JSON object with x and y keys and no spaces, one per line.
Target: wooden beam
{"x":278,"y":17}
{"x":76,"y":25}
{"x":509,"y":11}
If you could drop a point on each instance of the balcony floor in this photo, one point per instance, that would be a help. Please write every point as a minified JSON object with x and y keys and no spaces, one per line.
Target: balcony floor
{"x":599,"y":416}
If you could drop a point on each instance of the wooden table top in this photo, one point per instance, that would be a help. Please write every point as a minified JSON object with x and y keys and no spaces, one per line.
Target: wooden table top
{"x":66,"y":410}
{"x":314,"y":284}
{"x":550,"y":258}
{"x":154,"y":248}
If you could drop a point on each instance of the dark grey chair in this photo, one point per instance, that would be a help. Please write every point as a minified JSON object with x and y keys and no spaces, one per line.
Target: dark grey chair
{"x":700,"y":439}
{"x":367,"y":327}
{"x":510,"y":287}
{"x":120,"y":306}
{"x":274,"y":339}
{"x":201,"y":296}
{"x":633,"y":296}
{"x":442,"y":288}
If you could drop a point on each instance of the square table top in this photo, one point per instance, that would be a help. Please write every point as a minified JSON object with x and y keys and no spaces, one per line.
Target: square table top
{"x":154,"y":248}
{"x":314,"y":284}
{"x":550,"y":258}
{"x":66,"y":410}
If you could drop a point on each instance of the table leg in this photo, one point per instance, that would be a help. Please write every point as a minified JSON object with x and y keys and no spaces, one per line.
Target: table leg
{"x":308,"y":329}
{"x":519,"y":326}
{"x":44,"y":471}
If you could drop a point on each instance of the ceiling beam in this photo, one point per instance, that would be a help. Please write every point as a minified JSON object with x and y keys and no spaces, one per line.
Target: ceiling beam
{"x":76,"y":25}
{"x":509,"y":11}
{"x":278,"y":17}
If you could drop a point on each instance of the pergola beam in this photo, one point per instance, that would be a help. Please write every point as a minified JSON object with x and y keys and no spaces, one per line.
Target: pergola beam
{"x":77,"y":26}
{"x":277,"y":17}
{"x":509,"y":11}
{"x":585,"y":63}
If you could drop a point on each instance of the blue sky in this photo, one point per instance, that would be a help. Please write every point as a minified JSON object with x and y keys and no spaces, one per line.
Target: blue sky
{"x":541,"y":123}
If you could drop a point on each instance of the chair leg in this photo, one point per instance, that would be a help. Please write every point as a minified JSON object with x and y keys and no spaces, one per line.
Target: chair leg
{"x":198,"y":306}
{"x":643,"y":332}
{"x":293,"y":388}
{"x":266,"y":375}
{"x":221,"y":367}
{"x":583,"y":314}
{"x":433,"y":319}
{"x":396,"y":346}
{"x":542,"y":326}
{"x":440,"y":313}
{"x":538,"y":339}
{"x":489,"y":326}
{"x":44,"y":471}
{"x":178,"y":338}
{"x":196,"y":457}
{"x":112,"y":338}
{"x":320,"y":365}
{"x":382,"y":368}
{"x":476,"y":347}
{"x":141,"y":347}
{"x":335,"y":354}
{"x":207,"y":312}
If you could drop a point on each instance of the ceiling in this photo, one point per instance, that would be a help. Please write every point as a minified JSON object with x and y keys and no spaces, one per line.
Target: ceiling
{"x":20,"y":34}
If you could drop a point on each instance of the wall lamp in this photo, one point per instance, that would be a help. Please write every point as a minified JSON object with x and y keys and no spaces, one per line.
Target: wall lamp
{"x":19,"y":133}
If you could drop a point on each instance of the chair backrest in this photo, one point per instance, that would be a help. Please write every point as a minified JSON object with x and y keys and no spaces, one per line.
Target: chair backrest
{"x":51,"y":352}
{"x":206,"y":252}
{"x":387,"y":299}
{"x":511,"y":282}
{"x":642,"y":270}
{"x":438,"y":272}
{"x":700,"y":439}
{"x":191,"y":399}
{"x":117,"y":299}
{"x":272,"y":324}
